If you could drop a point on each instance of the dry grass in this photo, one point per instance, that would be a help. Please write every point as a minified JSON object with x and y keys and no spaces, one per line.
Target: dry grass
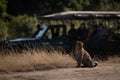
{"x":114,"y":59}
{"x":34,"y":60}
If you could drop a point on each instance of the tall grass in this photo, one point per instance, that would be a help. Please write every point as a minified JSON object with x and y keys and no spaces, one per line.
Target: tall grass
{"x":34,"y":60}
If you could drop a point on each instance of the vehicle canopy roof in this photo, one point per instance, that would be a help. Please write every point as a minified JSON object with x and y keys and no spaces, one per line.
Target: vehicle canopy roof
{"x":77,"y":15}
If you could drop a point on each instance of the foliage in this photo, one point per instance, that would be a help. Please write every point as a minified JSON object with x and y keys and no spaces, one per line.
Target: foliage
{"x":3,"y":30}
{"x":3,"y":7}
{"x":22,"y":26}
{"x":42,"y":7}
{"x":104,"y":5}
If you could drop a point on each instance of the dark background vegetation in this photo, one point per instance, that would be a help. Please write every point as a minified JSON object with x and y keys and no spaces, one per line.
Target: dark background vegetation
{"x":19,"y":17}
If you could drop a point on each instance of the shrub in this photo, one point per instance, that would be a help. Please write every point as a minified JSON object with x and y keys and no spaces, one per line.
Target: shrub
{"x":3,"y":30}
{"x":22,"y":26}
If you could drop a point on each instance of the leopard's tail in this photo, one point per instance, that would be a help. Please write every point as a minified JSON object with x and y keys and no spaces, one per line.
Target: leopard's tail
{"x":95,"y":64}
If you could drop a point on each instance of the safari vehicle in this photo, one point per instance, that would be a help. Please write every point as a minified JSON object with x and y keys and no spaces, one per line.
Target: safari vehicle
{"x":56,"y":35}
{"x":95,"y":47}
{"x":47,"y":37}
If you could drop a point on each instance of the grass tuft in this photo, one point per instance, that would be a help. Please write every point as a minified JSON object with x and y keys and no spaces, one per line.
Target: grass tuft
{"x":35,"y":60}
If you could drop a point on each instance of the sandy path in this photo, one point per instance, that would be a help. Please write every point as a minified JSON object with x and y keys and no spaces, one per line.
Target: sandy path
{"x":104,"y":71}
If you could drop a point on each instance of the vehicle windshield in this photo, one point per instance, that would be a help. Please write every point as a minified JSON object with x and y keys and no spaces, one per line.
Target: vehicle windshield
{"x":41,"y":32}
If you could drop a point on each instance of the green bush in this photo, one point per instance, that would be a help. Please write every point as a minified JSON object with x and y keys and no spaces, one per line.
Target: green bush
{"x":3,"y":30}
{"x":3,"y":7}
{"x":22,"y":26}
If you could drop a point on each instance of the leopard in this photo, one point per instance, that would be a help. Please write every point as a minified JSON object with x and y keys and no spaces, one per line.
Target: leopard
{"x":83,"y":57}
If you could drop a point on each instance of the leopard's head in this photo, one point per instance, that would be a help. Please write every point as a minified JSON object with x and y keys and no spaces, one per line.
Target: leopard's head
{"x":79,"y":45}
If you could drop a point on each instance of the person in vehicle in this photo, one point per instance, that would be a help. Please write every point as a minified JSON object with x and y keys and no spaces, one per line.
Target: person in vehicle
{"x":100,"y":33}
{"x":72,"y":36}
{"x":82,"y":32}
{"x":111,"y":34}
{"x":94,"y":30}
{"x":72,"y":32}
{"x":37,"y":31}
{"x":116,"y":36}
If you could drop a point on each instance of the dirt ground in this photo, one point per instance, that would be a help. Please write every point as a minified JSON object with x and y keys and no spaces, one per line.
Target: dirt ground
{"x":104,"y":71}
